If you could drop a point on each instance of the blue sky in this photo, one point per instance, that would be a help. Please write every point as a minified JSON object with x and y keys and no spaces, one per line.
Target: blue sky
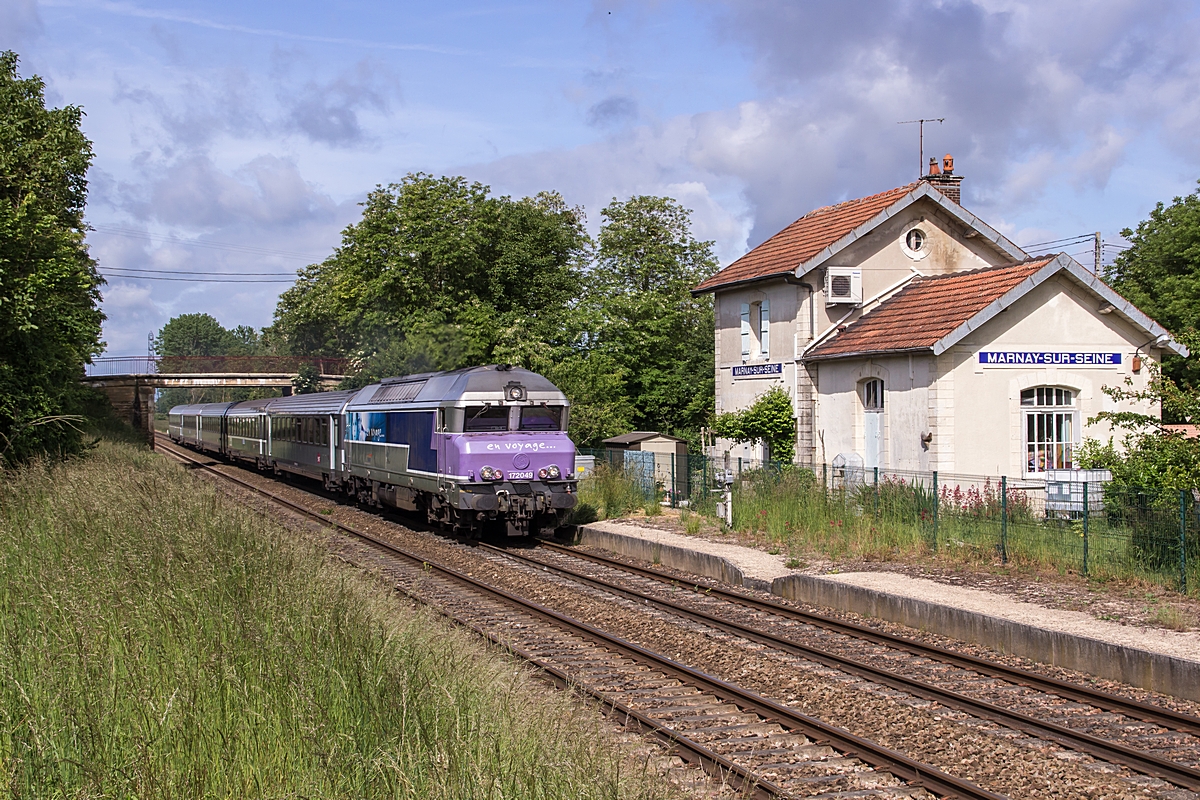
{"x":239,"y":138}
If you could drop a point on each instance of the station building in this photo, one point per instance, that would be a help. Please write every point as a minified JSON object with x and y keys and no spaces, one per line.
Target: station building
{"x":913,"y":336}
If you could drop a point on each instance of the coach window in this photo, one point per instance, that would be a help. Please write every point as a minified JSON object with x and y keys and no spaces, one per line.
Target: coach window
{"x":1050,"y":428}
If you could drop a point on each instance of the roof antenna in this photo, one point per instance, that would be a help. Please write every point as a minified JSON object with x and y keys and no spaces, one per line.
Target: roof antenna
{"x":920,"y":123}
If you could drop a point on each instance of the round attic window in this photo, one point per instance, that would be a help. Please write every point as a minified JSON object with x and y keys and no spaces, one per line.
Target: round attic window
{"x":916,"y":245}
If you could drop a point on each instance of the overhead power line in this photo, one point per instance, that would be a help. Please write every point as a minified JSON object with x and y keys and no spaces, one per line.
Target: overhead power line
{"x":204,"y":272}
{"x":1064,"y":242}
{"x":228,"y":280}
{"x":130,"y":233}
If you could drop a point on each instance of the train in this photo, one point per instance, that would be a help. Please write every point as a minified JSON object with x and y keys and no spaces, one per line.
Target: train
{"x":480,"y":450}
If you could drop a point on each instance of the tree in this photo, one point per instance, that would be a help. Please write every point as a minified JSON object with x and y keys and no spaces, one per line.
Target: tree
{"x":647,"y":320}
{"x":199,"y":335}
{"x":1160,"y":274}
{"x":49,"y":286}
{"x":768,"y":420}
{"x":438,"y":274}
{"x":1152,"y":458}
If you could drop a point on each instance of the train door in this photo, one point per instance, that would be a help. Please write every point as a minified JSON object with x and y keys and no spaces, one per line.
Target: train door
{"x":439,"y":438}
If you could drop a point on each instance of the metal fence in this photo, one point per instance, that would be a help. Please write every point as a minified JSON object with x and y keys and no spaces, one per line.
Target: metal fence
{"x":1073,"y":521}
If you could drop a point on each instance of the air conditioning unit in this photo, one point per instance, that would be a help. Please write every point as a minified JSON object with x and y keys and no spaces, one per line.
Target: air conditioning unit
{"x":843,"y":285}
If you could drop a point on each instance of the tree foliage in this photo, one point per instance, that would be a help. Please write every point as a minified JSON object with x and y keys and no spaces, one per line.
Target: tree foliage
{"x":1160,"y":274}
{"x":768,"y":420}
{"x":191,"y":335}
{"x":647,"y":319}
{"x":202,"y":335}
{"x":1151,"y":456}
{"x":439,"y":274}
{"x":49,"y":286}
{"x":432,"y":274}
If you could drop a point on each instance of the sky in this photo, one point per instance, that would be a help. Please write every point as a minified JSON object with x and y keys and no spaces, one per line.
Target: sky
{"x":240,"y":138}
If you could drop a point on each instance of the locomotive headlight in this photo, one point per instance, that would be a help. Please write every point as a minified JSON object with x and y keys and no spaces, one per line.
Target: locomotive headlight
{"x":543,"y":472}
{"x":554,"y":472}
{"x":489,"y":474}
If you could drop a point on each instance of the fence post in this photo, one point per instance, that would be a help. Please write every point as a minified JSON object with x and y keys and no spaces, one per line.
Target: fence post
{"x":1183,"y":499}
{"x":1003,"y":519}
{"x":877,"y":491}
{"x":673,"y":487}
{"x":936,"y":503}
{"x":1086,"y":518}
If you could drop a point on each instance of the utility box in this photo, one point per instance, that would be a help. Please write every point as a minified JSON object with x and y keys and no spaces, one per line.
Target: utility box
{"x":1064,"y":491}
{"x":584,"y":466}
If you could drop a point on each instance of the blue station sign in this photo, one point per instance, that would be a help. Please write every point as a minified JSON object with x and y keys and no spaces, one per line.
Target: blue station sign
{"x":1035,"y":358}
{"x":758,"y":370}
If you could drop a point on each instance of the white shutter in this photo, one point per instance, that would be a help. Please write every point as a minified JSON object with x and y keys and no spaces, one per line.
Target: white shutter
{"x":745,"y":331}
{"x":764,"y":329}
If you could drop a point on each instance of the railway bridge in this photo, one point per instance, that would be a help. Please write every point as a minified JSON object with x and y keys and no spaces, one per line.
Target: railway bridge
{"x":131,"y":382}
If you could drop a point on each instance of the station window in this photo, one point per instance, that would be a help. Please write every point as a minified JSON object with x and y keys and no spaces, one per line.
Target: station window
{"x":1050,"y":426}
{"x":873,"y":395}
{"x":756,"y":330}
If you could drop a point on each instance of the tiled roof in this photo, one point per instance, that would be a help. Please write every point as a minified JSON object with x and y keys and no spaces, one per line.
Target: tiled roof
{"x":926,"y":310}
{"x":804,"y":238}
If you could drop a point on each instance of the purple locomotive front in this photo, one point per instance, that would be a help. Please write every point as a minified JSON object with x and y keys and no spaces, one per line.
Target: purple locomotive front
{"x":478,"y":449}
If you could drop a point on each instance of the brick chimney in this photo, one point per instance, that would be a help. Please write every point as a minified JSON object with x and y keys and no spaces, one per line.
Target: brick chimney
{"x":944,"y":180}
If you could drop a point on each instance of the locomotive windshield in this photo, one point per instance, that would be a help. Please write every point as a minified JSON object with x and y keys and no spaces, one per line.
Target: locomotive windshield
{"x":486,"y":418}
{"x":541,"y":418}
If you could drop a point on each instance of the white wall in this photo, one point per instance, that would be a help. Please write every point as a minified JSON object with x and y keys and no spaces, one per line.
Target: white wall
{"x":974,"y":412}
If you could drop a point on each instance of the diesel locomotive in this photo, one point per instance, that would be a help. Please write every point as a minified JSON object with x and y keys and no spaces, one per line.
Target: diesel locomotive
{"x":475,"y":449}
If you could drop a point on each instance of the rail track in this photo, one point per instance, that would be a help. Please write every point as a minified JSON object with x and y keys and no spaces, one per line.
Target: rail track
{"x":747,"y":739}
{"x":1146,"y":738}
{"x":762,"y":747}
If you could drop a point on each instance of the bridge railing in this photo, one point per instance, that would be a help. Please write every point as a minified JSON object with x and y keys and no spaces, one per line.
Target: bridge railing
{"x":105,"y":366}
{"x":161,"y":365}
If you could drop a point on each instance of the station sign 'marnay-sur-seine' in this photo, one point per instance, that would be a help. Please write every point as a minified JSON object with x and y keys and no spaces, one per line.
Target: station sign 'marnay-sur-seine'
{"x":757,"y":370}
{"x":997,"y":358}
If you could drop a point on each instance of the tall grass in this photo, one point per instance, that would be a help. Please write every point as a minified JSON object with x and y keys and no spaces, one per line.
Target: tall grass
{"x":158,"y":640}
{"x":897,"y":520}
{"x":609,"y":492}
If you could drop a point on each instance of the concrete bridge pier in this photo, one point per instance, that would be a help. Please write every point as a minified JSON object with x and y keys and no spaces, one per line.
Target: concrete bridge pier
{"x":133,"y":400}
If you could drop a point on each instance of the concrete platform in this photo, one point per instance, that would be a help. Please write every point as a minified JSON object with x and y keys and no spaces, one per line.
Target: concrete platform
{"x":1158,"y":660}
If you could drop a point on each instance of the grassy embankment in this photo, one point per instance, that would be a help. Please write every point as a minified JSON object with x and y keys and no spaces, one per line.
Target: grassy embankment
{"x":158,"y":640}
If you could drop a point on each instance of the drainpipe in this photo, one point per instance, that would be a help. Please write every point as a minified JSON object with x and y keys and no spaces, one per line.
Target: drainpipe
{"x":796,"y":363}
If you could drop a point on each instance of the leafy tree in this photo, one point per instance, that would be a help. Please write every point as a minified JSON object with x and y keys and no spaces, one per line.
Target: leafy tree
{"x":1160,"y":274}
{"x":648,"y":321}
{"x":307,"y":380}
{"x":193,"y":335}
{"x":198,"y":335}
{"x":768,"y":420}
{"x":432,"y":273}
{"x":1151,"y":457}
{"x":49,"y":287}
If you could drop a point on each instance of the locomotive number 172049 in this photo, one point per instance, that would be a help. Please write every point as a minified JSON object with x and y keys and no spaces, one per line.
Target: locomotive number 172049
{"x":521,"y":476}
